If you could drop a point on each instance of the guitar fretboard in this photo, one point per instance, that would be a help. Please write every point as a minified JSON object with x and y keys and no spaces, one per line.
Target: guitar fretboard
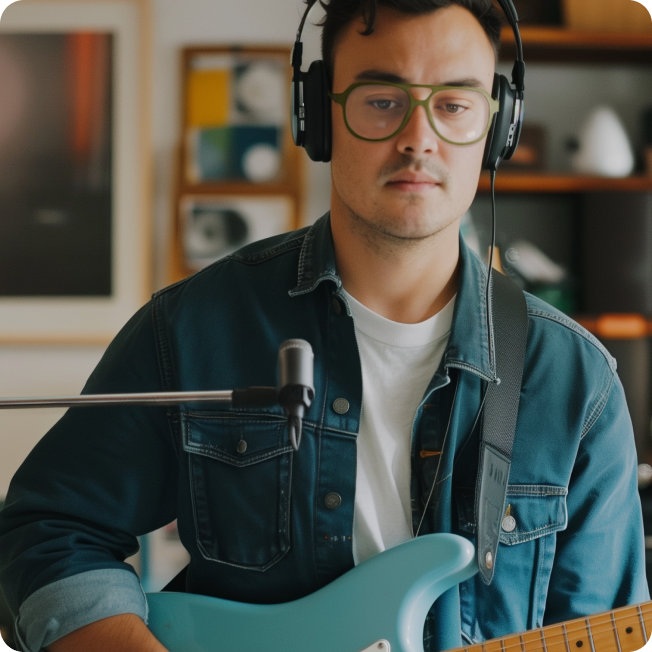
{"x":623,"y":630}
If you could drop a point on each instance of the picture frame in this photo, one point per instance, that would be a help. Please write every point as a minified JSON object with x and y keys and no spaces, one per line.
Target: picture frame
{"x":215,"y":226}
{"x":59,"y":304}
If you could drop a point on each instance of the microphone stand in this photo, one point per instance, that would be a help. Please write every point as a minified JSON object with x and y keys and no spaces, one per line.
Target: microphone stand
{"x":294,"y":394}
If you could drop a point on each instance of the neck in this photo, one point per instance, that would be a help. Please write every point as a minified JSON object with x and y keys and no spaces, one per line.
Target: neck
{"x":404,"y":280}
{"x":620,"y":630}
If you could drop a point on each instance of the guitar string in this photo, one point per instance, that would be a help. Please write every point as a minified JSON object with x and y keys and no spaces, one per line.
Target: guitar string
{"x":595,"y":630}
{"x":556,"y":638}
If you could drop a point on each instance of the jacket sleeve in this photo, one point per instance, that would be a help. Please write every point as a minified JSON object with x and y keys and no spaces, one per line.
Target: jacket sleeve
{"x":600,"y":558}
{"x":99,"y":479}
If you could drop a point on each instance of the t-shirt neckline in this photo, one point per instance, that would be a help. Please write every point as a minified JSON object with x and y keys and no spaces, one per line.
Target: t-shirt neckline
{"x":397,"y":334}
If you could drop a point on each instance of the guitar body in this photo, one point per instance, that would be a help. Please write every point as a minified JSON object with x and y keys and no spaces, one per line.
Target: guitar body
{"x":380,"y":605}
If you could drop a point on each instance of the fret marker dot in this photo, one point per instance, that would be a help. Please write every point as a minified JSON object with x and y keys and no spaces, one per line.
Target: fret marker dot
{"x":629,"y":630}
{"x":579,"y":643}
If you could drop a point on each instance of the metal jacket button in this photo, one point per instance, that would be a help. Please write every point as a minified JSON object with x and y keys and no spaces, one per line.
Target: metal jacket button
{"x":509,"y":524}
{"x":333,"y":500}
{"x":341,"y":405}
{"x":242,"y":446}
{"x":336,"y":305}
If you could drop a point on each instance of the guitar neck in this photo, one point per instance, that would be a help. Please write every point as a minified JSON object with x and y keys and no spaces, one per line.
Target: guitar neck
{"x":623,"y":630}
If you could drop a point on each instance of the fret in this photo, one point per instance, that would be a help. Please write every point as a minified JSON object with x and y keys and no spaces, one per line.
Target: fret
{"x":555,"y":638}
{"x":496,"y":645}
{"x":613,"y":622}
{"x":640,"y":615}
{"x":563,"y":629}
{"x":578,"y":637}
{"x":512,"y":644}
{"x":603,"y":633}
{"x":588,"y":629}
{"x":478,"y":647}
{"x":646,"y":609}
{"x":533,"y":641}
{"x":543,"y":641}
{"x":630,"y":632}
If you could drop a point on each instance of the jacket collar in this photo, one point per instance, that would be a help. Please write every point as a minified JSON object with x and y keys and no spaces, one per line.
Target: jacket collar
{"x":468,"y":344}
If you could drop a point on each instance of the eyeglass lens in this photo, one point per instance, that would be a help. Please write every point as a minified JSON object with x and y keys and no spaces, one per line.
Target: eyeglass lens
{"x":376,"y":111}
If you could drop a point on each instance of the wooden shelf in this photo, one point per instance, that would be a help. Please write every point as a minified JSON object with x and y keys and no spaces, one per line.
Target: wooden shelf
{"x":520,"y":182}
{"x":555,"y":44}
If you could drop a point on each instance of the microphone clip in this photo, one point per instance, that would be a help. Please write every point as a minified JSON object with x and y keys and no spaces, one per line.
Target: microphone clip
{"x":295,"y":400}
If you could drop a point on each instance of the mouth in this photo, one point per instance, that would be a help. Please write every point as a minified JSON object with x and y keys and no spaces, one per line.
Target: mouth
{"x":412,"y":182}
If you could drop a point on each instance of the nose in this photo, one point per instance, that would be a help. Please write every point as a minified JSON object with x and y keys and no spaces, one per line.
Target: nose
{"x":418,"y":137}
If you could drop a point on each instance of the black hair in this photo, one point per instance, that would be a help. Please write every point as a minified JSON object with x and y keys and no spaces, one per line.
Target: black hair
{"x":340,"y":13}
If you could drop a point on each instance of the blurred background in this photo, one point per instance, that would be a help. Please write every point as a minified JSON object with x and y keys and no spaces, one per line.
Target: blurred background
{"x":207,"y":126}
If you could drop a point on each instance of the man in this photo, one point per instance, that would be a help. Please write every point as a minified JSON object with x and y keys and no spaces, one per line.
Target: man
{"x":391,"y":300}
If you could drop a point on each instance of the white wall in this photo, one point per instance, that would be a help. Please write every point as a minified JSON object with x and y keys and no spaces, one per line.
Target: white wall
{"x":41,"y":370}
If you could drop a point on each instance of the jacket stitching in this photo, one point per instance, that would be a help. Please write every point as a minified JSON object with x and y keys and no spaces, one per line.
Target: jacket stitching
{"x":267,"y":418}
{"x":268,"y":254}
{"x":472,"y":368}
{"x":315,"y":510}
{"x":216,"y":454}
{"x":324,"y":277}
{"x":576,"y":328}
{"x":200,"y":545}
{"x":255,"y":259}
{"x":536,"y":490}
{"x":597,"y":410}
{"x":165,"y":367}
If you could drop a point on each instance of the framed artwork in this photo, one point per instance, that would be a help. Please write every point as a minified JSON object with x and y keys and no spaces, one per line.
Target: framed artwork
{"x":74,"y":171}
{"x":236,"y":108}
{"x":214,"y":227}
{"x":240,"y":177}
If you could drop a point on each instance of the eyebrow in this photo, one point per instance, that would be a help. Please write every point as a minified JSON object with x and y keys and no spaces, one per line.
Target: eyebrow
{"x":384,"y":76}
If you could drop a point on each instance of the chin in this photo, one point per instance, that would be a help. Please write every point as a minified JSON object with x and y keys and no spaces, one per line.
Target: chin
{"x":414,"y":227}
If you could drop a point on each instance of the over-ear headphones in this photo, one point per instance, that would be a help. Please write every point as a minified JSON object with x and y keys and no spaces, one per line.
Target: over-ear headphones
{"x":311,"y":106}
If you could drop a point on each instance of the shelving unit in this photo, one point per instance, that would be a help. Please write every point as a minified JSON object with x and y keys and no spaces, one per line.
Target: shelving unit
{"x":552,"y":44}
{"x":571,"y":73}
{"x":557,"y":45}
{"x":544,"y":182}
{"x":212,"y":194}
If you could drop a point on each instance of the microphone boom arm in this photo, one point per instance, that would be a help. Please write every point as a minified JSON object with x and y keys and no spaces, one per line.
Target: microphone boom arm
{"x":294,"y":394}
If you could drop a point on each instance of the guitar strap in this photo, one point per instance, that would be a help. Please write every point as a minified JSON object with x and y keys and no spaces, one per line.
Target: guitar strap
{"x":510,"y":324}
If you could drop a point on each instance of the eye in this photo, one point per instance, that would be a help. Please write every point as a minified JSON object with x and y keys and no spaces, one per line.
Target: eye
{"x":384,"y":105}
{"x":454,"y":109}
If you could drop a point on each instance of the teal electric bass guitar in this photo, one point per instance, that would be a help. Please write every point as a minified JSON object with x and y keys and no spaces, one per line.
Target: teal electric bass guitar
{"x":379,"y":606}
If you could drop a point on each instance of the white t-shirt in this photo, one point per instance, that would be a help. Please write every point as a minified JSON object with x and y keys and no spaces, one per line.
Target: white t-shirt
{"x":398,"y":361}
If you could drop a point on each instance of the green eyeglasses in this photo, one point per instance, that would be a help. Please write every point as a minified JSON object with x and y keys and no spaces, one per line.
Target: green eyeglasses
{"x":378,"y":111}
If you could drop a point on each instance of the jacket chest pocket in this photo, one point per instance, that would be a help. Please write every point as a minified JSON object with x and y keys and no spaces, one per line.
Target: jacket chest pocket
{"x":240,"y":471}
{"x":534,"y":513}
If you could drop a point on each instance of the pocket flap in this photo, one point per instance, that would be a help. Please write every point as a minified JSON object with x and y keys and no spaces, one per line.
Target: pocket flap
{"x":239,"y":440}
{"x":536,"y":510}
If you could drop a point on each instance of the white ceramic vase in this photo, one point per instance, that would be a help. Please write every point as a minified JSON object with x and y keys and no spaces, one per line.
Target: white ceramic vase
{"x":604,"y":146}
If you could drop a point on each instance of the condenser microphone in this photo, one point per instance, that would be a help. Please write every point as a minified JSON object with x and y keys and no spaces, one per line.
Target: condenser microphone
{"x":296,"y":384}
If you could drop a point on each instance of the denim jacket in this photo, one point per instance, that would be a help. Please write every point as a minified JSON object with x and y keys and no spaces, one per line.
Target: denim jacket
{"x":257,"y":523}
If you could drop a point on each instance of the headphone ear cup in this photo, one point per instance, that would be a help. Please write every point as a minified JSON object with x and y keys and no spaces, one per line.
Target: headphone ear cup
{"x":318,"y":136}
{"x":498,"y":136}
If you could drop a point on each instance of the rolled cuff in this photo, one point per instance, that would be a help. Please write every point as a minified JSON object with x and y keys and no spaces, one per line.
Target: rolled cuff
{"x":66,"y":605}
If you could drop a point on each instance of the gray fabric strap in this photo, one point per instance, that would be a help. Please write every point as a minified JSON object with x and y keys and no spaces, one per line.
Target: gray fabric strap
{"x":510,"y":323}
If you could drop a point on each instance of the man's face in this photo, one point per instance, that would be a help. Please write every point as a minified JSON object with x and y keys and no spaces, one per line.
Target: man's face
{"x":415,"y":184}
